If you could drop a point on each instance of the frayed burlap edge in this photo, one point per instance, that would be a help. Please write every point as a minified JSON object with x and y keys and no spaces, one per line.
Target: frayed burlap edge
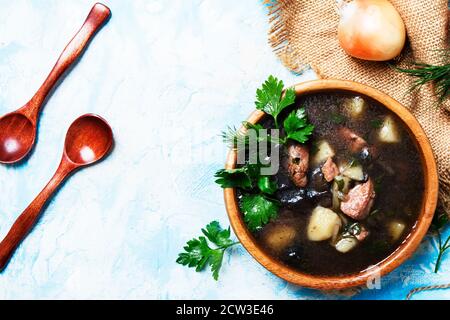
{"x":278,"y":39}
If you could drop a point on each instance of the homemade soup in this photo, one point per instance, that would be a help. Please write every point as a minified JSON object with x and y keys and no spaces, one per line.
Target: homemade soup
{"x":348,"y":197}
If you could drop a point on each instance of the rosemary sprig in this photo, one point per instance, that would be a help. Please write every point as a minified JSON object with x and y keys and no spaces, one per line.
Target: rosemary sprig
{"x":425,"y":73}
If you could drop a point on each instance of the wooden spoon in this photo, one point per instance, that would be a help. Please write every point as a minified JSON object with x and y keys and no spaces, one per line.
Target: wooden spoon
{"x":88,"y":140}
{"x":18,"y":129}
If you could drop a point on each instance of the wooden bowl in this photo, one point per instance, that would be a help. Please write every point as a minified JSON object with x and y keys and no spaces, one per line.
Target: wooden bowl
{"x":403,"y":252}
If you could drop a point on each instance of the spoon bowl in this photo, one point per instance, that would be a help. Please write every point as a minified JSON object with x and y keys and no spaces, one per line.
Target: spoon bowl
{"x":88,"y":140}
{"x":17,"y":135}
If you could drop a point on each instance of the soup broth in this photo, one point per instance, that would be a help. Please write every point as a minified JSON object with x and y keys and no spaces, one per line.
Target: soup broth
{"x":360,"y":197}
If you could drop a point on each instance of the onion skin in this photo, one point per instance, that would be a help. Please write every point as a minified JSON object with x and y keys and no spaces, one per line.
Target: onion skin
{"x":371,"y":30}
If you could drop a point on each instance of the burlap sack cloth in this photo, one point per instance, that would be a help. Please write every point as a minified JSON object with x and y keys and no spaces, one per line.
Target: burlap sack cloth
{"x":304,"y":32}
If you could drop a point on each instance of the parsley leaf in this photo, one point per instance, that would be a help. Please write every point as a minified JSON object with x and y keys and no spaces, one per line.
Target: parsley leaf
{"x":258,"y":211}
{"x":238,"y":178}
{"x":215,"y":260}
{"x":297,"y":127}
{"x":198,"y":253}
{"x":267,"y":185}
{"x":247,"y":177}
{"x":217,"y":235}
{"x":271,"y":100}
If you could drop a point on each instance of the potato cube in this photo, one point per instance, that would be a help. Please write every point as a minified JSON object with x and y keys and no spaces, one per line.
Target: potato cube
{"x":322,"y":153}
{"x":279,"y":236}
{"x":389,"y":132}
{"x":354,"y":107}
{"x":396,"y":229}
{"x":323,"y":224}
{"x":354,"y":172}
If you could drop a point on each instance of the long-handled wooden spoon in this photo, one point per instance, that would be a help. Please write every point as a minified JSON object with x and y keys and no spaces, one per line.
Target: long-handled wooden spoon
{"x":18,"y":129}
{"x":88,"y":140}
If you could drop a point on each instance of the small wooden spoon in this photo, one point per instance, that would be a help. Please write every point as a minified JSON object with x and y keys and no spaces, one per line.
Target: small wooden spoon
{"x":18,"y":129}
{"x":88,"y":140}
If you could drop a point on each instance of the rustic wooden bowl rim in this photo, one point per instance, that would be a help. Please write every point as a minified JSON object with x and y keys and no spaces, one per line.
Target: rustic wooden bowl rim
{"x":402,"y":253}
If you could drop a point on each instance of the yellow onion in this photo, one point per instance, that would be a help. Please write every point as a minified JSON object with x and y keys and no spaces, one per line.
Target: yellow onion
{"x":371,"y":30}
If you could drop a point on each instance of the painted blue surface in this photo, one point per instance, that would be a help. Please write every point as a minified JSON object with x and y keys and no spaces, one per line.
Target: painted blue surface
{"x":168,"y":75}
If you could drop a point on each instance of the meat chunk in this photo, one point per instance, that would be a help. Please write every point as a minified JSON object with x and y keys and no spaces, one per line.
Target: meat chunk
{"x":330,"y":170}
{"x":298,"y":164}
{"x":355,"y":142}
{"x":363,"y":234}
{"x":359,"y":201}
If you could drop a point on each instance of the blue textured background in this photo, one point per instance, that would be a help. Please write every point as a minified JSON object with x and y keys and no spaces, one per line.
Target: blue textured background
{"x":168,"y":75}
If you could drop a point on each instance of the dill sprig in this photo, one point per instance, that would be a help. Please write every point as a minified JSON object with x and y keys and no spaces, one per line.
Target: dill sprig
{"x":425,"y":73}
{"x":233,"y":137}
{"x":443,"y":247}
{"x":439,"y":222}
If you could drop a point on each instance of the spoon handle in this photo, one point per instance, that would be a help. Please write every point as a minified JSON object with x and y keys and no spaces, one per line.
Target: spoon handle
{"x":29,"y":217}
{"x":97,"y":17}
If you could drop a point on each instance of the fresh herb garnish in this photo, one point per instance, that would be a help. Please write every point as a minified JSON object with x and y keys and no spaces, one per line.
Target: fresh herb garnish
{"x":258,"y":207}
{"x":243,"y":178}
{"x":354,"y":163}
{"x":337,"y":118}
{"x":267,"y":185}
{"x":234,"y":137}
{"x":247,"y":178}
{"x":258,"y":204}
{"x":340,"y":183}
{"x":427,"y":73}
{"x":271,"y":100}
{"x":258,"y":210}
{"x":297,"y":127}
{"x":440,"y":220}
{"x":199,"y":254}
{"x":352,"y":230}
{"x":376,"y":123}
{"x":442,"y":248}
